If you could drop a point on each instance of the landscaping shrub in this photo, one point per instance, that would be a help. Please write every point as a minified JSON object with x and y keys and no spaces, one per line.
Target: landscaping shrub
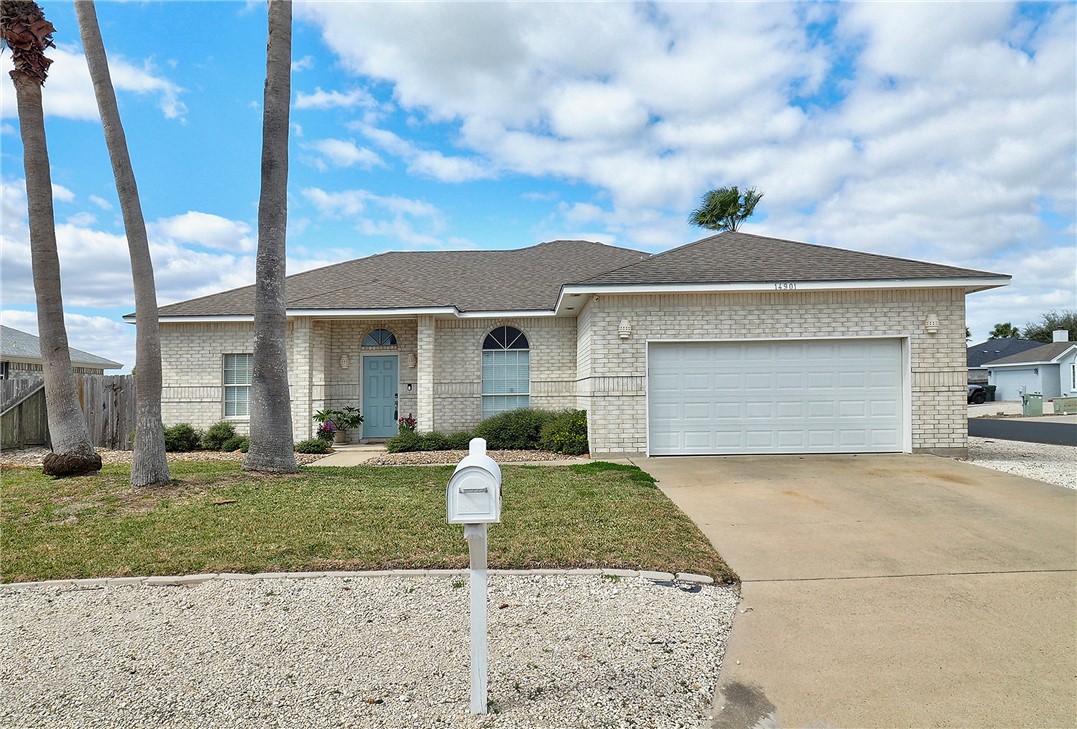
{"x":236,"y":443}
{"x":404,"y":442}
{"x":182,"y":437}
{"x":459,"y":441}
{"x":516,"y":430}
{"x":312,"y":445}
{"x":217,"y":435}
{"x":566,"y":433}
{"x":434,"y":441}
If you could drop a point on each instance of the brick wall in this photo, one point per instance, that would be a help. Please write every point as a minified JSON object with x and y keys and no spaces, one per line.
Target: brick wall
{"x":615,"y":388}
{"x":192,"y":365}
{"x":458,"y":367}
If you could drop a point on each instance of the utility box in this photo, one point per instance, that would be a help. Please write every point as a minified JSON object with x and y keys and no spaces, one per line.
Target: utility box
{"x":1032,"y":404}
{"x":473,"y":495}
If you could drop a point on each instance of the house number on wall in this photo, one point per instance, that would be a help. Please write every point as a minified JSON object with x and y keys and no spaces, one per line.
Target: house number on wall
{"x":785,"y":286}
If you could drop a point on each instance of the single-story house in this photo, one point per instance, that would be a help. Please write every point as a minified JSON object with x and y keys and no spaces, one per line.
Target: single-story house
{"x":980,"y":354}
{"x":1049,"y":369}
{"x":733,"y":344}
{"x":20,"y":356}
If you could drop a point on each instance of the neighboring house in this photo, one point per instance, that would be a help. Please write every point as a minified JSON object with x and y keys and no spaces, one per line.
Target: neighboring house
{"x":1049,"y":369}
{"x":20,"y":356}
{"x":733,"y":344}
{"x":979,"y":354}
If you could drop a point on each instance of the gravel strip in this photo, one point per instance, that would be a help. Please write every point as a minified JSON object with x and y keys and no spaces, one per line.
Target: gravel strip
{"x":373,"y":651}
{"x":31,"y":457}
{"x":1055,"y":464}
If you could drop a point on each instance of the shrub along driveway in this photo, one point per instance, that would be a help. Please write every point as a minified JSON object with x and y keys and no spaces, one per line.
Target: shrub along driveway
{"x":891,"y":591}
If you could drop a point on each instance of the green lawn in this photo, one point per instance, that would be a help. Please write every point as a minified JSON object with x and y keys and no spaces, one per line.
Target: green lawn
{"x":218,"y":519}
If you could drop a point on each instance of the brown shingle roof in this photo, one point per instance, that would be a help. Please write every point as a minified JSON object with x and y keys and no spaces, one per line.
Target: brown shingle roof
{"x":526,"y":279}
{"x":746,"y":258}
{"x":530,"y":279}
{"x":1046,"y":353}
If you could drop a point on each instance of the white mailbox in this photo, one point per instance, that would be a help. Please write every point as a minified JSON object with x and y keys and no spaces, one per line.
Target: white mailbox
{"x":473,"y":495}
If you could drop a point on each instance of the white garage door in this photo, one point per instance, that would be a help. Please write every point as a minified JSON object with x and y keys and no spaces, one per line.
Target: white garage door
{"x":809,"y":396}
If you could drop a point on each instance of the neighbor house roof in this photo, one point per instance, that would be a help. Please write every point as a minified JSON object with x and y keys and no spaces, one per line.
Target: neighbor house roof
{"x":993,"y":349}
{"x":737,"y":257}
{"x":550,"y":277}
{"x":1043,"y":354}
{"x":526,"y":279}
{"x":16,"y":344}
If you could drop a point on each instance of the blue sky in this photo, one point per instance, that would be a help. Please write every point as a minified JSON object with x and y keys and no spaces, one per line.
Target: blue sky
{"x":939,"y":131}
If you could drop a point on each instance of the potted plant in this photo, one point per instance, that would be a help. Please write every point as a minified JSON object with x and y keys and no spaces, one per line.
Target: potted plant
{"x":335,"y":424}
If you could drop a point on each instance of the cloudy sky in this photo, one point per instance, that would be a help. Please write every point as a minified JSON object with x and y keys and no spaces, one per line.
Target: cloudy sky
{"x":939,"y":131}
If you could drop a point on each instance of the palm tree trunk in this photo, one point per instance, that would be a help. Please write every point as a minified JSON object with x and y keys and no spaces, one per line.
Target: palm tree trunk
{"x":73,"y":453}
{"x":150,"y":464}
{"x":271,"y":408}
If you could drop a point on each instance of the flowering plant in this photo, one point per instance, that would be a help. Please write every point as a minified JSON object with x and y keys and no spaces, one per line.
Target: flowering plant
{"x":326,"y":431}
{"x":407,"y":423}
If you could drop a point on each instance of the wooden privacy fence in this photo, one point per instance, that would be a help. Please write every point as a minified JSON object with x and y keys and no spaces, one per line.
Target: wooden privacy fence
{"x":108,"y":404}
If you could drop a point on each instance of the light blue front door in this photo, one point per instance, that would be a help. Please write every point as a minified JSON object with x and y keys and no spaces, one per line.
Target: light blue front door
{"x":379,"y":396}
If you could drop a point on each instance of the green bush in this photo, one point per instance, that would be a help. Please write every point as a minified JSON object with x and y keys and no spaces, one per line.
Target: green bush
{"x":459,"y":441}
{"x":404,"y":442}
{"x":236,"y":443}
{"x":182,"y":437}
{"x":566,"y":433}
{"x":434,"y":441}
{"x":218,"y":434}
{"x":516,"y":430}
{"x":312,"y":445}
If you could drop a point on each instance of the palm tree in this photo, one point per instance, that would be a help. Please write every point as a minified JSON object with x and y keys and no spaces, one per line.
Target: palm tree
{"x":150,"y":464}
{"x":725,"y":208}
{"x":1002,"y":331}
{"x":270,"y":406}
{"x":27,"y":33}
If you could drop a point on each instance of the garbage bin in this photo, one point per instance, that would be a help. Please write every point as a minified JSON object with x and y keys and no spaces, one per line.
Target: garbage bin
{"x":990,"y":390}
{"x":1032,"y":404}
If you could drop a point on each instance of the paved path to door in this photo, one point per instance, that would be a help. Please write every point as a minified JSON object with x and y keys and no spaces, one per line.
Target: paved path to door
{"x":889,"y":591}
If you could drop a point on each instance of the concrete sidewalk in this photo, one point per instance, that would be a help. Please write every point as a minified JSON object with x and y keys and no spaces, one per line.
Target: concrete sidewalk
{"x":889,"y":591}
{"x":351,"y":455}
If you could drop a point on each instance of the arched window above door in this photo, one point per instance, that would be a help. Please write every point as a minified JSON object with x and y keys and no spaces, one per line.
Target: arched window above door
{"x":379,"y":338}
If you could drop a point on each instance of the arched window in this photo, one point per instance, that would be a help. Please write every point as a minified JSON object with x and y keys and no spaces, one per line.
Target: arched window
{"x":506,"y":371}
{"x":380,"y":338}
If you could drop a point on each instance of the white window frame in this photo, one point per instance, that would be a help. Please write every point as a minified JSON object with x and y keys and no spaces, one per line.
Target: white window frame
{"x":498,"y":393}
{"x":230,"y":388}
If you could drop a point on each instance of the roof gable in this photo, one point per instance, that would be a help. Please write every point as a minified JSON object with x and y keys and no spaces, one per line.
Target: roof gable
{"x":1043,"y":354}
{"x":735,"y":257}
{"x":994,"y":349}
{"x":537,"y":279}
{"x":525,"y":279}
{"x":17,"y":344}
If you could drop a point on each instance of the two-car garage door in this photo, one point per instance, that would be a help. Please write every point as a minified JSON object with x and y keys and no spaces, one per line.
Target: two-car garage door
{"x":795,"y":396}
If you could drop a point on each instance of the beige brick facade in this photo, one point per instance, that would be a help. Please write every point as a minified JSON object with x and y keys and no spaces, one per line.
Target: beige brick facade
{"x":578,"y":362}
{"x":612,"y":386}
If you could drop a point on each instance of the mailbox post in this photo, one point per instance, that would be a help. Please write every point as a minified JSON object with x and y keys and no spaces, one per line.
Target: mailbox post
{"x":473,"y":498}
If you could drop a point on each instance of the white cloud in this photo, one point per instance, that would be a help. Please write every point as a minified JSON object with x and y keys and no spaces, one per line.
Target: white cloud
{"x":61,"y":193}
{"x":343,"y":153}
{"x":303,"y":64}
{"x":205,"y":229}
{"x":101,"y":202}
{"x":68,"y":93}
{"x":319,"y":99}
{"x":424,"y":162}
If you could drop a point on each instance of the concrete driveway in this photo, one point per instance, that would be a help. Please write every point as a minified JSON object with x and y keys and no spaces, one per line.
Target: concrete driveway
{"x":889,"y":591}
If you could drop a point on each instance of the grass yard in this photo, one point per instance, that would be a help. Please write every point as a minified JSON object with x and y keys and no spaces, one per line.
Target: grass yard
{"x":218,"y":519}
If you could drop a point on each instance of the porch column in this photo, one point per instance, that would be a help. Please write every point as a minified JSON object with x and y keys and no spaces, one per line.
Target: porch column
{"x":424,"y":374}
{"x":299,"y":378}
